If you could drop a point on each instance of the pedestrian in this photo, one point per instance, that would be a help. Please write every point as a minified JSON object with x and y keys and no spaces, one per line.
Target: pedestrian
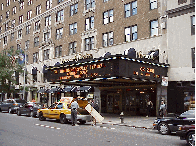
{"x":149,"y":105}
{"x":96,"y":107}
{"x":74,"y":107}
{"x":162,"y":109}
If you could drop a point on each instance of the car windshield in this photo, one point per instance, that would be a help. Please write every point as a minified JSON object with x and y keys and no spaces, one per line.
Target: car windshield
{"x":188,"y":114}
{"x":20,"y":101}
{"x":38,"y":104}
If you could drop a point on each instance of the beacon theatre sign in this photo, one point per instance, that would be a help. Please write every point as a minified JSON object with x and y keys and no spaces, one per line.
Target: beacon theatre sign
{"x":107,"y":68}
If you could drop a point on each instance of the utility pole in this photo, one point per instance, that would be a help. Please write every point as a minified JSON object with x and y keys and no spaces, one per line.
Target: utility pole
{"x":24,"y":73}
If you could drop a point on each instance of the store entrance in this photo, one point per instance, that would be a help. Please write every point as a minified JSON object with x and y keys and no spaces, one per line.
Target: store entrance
{"x":113,"y":103}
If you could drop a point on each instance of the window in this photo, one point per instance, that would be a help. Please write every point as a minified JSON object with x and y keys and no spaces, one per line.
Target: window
{"x":89,"y":4}
{"x":192,"y":25}
{"x":7,"y":14}
{"x":37,"y":25}
{"x":108,"y":17}
{"x":108,"y":39}
{"x":46,"y":36}
{"x":46,"y":54}
{"x":181,"y":1}
{"x":58,"y":51}
{"x":5,"y":40}
{"x":34,"y":78}
{"x":8,"y":3}
{"x":59,"y":33}
{"x":47,"y":20}
{"x":1,"y":18}
{"x":38,"y":10}
{"x":13,"y":23}
{"x":6,"y":26}
{"x":27,"y":44}
{"x":130,"y":9}
{"x":154,"y":28}
{"x":36,"y":41}
{"x":72,"y":48}
{"x":30,"y":2}
{"x":14,"y":10}
{"x":29,"y":13}
{"x":18,"y":47}
{"x":20,"y":33}
{"x":59,"y":1}
{"x":2,"y":5}
{"x":153,"y":4}
{"x":48,"y":4}
{"x":73,"y":9}
{"x":20,"y":19}
{"x":21,"y":5}
{"x":89,"y":43}
{"x":28,"y":29}
{"x":0,"y":29}
{"x":105,"y":1}
{"x":59,"y":16}
{"x":73,"y":28}
{"x":130,"y":33}
{"x":35,"y":57}
{"x":12,"y":36}
{"x":89,"y":23}
{"x":193,"y":57}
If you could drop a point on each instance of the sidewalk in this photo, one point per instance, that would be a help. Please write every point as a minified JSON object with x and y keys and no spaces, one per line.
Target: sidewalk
{"x":129,"y":121}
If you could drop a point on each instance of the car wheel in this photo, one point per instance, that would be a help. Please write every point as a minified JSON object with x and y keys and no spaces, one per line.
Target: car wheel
{"x":63,"y":119}
{"x":191,"y":139}
{"x":31,"y":114}
{"x":164,"y":128}
{"x":18,"y":113}
{"x":41,"y":117}
{"x":82,"y":122}
{"x":9,"y":111}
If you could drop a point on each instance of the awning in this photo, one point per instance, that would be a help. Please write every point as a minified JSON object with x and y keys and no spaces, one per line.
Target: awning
{"x":41,"y":91}
{"x":55,"y":90}
{"x":69,"y":89}
{"x":84,"y":89}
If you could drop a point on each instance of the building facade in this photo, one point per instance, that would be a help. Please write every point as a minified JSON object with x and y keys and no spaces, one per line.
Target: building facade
{"x":57,"y":31}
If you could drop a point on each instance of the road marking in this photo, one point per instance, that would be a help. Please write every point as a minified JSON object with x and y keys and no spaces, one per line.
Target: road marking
{"x":47,"y":126}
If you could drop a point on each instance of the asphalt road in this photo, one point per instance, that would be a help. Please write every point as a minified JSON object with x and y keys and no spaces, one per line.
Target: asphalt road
{"x":26,"y":131}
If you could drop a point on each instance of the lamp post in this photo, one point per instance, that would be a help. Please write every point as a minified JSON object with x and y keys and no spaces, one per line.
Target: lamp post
{"x":24,"y":73}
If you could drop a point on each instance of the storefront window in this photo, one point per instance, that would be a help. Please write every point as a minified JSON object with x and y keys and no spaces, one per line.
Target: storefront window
{"x":189,"y":100}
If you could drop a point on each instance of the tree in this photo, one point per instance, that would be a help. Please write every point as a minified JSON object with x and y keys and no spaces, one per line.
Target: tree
{"x":9,"y":67}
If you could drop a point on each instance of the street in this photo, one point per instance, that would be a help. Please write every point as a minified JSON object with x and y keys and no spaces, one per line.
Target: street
{"x":26,"y":131}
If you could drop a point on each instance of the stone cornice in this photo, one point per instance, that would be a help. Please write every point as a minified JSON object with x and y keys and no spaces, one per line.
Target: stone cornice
{"x":39,"y":17}
{"x":181,"y":10}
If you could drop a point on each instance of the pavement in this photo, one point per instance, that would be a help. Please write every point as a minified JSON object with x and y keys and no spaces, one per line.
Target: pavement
{"x":129,"y":121}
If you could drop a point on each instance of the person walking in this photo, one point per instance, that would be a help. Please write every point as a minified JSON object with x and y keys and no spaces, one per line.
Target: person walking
{"x":149,"y":105}
{"x":162,"y":109}
{"x":74,"y":107}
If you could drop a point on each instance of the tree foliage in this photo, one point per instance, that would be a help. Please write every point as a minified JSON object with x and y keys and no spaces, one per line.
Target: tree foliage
{"x":8,"y":67}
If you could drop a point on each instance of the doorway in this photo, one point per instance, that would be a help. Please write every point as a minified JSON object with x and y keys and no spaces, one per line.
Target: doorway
{"x":113,"y":103}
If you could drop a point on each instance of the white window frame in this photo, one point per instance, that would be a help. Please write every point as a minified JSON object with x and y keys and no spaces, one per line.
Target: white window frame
{"x":153,"y":4}
{"x":59,"y":33}
{"x":48,"y":20}
{"x":48,"y":4}
{"x":35,"y":57}
{"x":37,"y":25}
{"x":73,"y":28}
{"x":28,"y":28}
{"x":27,"y":43}
{"x":58,"y":51}
{"x":89,"y":43}
{"x":73,"y":9}
{"x":60,"y":16}
{"x":21,"y":5}
{"x":29,"y":14}
{"x":8,"y":3}
{"x":46,"y":36}
{"x":20,"y":34}
{"x":5,"y":40}
{"x":21,"y":19}
{"x":108,"y":16}
{"x":2,"y":5}
{"x":6,"y":26}
{"x":154,"y":28}
{"x":36,"y":41}
{"x":46,"y":54}
{"x":108,"y":39}
{"x":30,"y":2}
{"x":14,"y":10}
{"x":38,"y":10}
{"x":130,"y":9}
{"x":131,"y":33}
{"x":72,"y":48}
{"x":12,"y":36}
{"x":89,"y":4}
{"x":1,"y":18}
{"x":7,"y":14}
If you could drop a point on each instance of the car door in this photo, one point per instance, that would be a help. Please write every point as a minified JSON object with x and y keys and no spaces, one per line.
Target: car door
{"x":3,"y":105}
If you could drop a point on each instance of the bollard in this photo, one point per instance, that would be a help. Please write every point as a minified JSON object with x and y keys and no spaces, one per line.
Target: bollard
{"x":121,"y":118}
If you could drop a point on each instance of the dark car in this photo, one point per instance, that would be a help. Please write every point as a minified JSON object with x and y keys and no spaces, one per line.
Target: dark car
{"x":169,"y":125}
{"x":187,"y":132}
{"x":11,"y":105}
{"x":29,"y":109}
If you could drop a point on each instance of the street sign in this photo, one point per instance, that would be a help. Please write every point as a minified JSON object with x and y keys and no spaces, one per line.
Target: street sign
{"x":94,"y":113}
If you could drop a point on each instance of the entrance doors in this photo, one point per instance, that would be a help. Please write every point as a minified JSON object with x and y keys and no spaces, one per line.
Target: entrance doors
{"x":113,"y":103}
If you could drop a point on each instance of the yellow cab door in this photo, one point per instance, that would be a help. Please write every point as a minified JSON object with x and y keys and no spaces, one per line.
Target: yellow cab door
{"x":50,"y":112}
{"x":55,"y":113}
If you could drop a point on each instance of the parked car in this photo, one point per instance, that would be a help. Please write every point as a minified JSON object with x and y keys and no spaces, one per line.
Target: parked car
{"x":187,"y":132}
{"x":169,"y":125}
{"x":29,"y":109}
{"x":11,"y":105}
{"x":60,"y":111}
